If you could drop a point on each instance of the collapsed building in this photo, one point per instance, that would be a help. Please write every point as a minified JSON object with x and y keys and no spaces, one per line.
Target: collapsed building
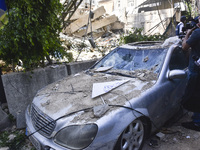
{"x":153,"y":16}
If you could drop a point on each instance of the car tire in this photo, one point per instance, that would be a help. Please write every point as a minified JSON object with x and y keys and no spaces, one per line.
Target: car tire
{"x":132,"y":138}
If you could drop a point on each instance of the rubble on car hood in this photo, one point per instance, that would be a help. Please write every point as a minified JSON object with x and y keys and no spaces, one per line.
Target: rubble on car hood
{"x":75,"y":93}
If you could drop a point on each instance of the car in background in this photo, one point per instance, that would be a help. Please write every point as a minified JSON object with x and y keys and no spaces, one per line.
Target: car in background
{"x":127,"y":95}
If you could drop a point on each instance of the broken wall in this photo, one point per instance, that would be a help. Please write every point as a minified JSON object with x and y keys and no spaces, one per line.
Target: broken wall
{"x":20,"y":88}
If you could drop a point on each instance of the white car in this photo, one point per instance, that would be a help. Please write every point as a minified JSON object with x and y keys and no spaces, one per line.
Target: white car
{"x":115,"y":104}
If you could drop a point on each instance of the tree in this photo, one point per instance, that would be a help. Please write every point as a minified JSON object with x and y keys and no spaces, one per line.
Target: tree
{"x":32,"y":32}
{"x":198,"y":6}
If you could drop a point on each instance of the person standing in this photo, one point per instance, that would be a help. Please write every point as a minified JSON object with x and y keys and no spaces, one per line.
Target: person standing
{"x":179,"y":27}
{"x":191,"y":99}
{"x":3,"y":5}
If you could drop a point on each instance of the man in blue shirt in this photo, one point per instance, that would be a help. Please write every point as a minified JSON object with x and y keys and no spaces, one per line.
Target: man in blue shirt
{"x":191,"y":100}
{"x":179,"y":27}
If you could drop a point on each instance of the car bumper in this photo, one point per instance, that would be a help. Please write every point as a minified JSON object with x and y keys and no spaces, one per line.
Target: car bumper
{"x":42,"y":143}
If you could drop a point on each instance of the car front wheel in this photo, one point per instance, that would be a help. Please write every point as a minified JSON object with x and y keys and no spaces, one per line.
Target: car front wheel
{"x":132,"y":137}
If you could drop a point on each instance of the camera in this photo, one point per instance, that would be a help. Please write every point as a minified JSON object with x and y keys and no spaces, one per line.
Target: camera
{"x":191,"y":24}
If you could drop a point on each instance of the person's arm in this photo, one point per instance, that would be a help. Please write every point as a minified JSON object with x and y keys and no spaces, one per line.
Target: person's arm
{"x":185,"y":45}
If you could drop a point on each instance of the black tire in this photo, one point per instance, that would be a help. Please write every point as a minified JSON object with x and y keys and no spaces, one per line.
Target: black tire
{"x":132,"y":138}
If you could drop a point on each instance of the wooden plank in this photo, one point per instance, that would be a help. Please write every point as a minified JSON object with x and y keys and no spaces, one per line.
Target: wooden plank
{"x":74,"y":26}
{"x":99,"y":24}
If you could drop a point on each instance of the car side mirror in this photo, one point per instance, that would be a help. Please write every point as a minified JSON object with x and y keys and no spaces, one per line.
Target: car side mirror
{"x":177,"y":74}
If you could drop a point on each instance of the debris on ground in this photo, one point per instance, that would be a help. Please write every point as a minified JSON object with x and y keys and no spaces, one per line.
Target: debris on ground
{"x":175,"y":137}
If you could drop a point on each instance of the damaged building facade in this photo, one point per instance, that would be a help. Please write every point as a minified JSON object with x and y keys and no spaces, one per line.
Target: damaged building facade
{"x":154,"y":16}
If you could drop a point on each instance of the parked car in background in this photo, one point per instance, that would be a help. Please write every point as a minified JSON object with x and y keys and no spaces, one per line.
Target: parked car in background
{"x":114,"y":105}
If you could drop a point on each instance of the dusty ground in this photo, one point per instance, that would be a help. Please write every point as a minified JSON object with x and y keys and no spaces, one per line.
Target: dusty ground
{"x":175,"y":137}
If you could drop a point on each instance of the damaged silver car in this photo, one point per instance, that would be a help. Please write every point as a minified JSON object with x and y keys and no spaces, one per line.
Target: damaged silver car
{"x":114,"y":105}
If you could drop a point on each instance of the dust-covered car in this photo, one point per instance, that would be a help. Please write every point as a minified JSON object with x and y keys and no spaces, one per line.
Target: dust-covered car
{"x":114,"y":105}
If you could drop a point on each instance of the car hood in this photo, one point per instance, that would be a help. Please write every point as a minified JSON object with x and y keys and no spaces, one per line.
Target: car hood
{"x":83,"y":91}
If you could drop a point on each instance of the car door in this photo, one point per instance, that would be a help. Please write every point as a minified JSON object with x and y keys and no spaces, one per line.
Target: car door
{"x":169,"y":92}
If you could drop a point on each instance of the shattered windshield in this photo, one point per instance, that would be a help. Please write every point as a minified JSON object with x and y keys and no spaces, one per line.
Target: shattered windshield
{"x":131,"y":60}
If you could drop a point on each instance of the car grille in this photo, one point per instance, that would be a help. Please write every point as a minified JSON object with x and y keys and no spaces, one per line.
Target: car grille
{"x":42,"y":122}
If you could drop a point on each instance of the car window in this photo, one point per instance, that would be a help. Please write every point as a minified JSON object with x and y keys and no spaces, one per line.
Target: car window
{"x":129,"y":59}
{"x":178,"y":59}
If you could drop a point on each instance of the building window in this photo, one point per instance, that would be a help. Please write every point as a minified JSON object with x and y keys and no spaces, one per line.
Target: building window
{"x":118,"y":3}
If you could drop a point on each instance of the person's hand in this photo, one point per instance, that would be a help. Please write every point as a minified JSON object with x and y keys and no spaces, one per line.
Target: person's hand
{"x":189,"y":31}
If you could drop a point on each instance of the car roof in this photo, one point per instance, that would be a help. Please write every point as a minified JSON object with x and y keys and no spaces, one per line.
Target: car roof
{"x":143,"y":45}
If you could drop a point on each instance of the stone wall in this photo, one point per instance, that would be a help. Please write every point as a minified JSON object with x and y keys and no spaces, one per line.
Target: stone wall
{"x":20,"y":88}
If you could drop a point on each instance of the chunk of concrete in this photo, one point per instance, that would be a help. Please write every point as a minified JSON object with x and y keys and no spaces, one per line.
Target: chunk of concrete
{"x":100,"y":110}
{"x":160,"y":135}
{"x":73,"y":27}
{"x":99,"y":24}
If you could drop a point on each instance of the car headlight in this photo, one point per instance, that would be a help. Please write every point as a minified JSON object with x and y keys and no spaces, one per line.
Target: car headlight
{"x":76,"y":136}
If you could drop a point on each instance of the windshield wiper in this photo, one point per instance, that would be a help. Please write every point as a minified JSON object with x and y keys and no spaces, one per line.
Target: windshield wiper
{"x":120,"y":74}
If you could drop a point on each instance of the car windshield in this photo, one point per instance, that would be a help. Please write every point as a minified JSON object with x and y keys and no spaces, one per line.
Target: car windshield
{"x":134,"y":59}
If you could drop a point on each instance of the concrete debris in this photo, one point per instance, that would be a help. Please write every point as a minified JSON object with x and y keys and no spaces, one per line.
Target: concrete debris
{"x":188,"y":137}
{"x":175,"y":140}
{"x":101,"y":23}
{"x":11,"y":137}
{"x":196,"y":135}
{"x":55,"y":88}
{"x":153,"y":143}
{"x":160,"y":135}
{"x":146,"y":59}
{"x":103,"y":46}
{"x":100,"y":110}
{"x":79,"y":23}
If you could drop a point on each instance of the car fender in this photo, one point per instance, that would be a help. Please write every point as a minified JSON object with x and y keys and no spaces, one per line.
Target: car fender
{"x":122,"y":118}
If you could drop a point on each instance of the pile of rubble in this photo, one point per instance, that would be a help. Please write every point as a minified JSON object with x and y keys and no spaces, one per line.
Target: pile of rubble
{"x":101,"y":23}
{"x":104,"y":32}
{"x":81,"y":49}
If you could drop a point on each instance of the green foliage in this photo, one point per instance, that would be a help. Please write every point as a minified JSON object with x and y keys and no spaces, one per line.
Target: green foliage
{"x":32,"y":33}
{"x":136,"y":35}
{"x":16,"y":142}
{"x":3,"y":20}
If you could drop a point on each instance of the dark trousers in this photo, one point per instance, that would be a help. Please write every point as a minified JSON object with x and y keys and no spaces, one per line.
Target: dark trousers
{"x":191,"y":99}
